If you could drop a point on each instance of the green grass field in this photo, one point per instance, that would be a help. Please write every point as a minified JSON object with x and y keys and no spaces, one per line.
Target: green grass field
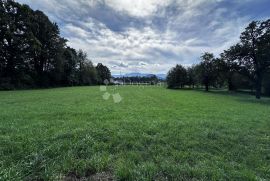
{"x":153,"y":134}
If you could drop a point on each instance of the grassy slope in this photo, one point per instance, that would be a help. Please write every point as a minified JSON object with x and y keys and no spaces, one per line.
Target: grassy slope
{"x":153,"y":133}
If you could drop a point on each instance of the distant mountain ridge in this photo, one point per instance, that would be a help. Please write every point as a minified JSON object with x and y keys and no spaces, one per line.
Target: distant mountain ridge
{"x":136,"y":74}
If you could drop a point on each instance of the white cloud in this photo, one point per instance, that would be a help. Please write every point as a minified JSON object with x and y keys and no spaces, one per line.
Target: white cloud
{"x":132,"y":49}
{"x":138,"y":7}
{"x":147,"y":35}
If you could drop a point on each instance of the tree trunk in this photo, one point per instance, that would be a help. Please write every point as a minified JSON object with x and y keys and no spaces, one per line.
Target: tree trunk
{"x":206,"y":87}
{"x":230,"y":84}
{"x":206,"y":81}
{"x":258,"y":86}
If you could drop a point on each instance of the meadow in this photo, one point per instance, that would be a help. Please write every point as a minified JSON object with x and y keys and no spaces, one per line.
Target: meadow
{"x":152,"y":134}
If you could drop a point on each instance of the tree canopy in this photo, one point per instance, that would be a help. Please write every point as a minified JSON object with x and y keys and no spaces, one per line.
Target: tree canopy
{"x":33,"y":54}
{"x":244,"y":65}
{"x":177,"y":77}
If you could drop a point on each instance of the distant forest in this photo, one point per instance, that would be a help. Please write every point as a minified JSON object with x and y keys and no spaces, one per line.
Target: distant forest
{"x":151,"y":79}
{"x":33,"y":54}
{"x":245,"y":65}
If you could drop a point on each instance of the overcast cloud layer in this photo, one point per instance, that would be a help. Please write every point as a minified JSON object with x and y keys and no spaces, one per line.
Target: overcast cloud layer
{"x":151,"y":36}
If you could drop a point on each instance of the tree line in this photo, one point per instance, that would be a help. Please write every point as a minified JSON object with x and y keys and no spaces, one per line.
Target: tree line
{"x":245,"y":65}
{"x":33,"y":54}
{"x":152,"y":79}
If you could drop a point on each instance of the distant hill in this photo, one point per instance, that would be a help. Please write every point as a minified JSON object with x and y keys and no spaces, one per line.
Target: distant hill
{"x":136,"y":74}
{"x":161,"y":76}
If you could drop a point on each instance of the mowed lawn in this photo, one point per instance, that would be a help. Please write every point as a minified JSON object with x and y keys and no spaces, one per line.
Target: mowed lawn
{"x":153,"y":134}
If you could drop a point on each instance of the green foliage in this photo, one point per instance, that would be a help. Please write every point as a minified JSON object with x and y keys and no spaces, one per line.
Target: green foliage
{"x":153,"y":79}
{"x":103,"y":73}
{"x":229,"y":66}
{"x":254,"y":42}
{"x":248,"y":60}
{"x":208,"y":70}
{"x":177,"y":77}
{"x":153,"y":134}
{"x":33,"y":54}
{"x":253,"y":52}
{"x":192,"y":76}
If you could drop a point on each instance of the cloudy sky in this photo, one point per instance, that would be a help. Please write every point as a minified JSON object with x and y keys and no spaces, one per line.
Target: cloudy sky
{"x":151,"y":36}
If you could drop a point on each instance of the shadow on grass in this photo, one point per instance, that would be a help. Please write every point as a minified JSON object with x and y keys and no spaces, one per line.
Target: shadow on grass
{"x":263,"y":101}
{"x":182,"y":89}
{"x":241,"y":95}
